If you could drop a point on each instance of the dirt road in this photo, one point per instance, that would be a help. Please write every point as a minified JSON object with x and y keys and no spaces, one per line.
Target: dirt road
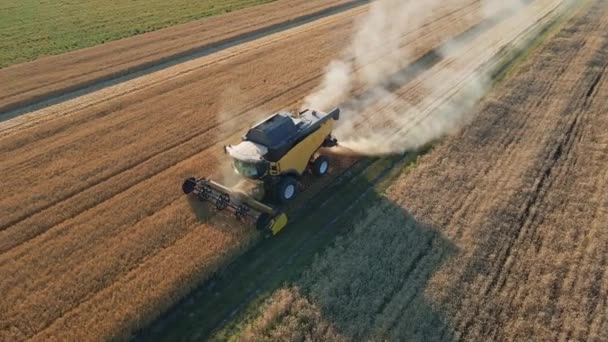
{"x":55,"y":78}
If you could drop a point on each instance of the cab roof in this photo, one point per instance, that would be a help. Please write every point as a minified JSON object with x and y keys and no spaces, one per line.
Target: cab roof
{"x":281,"y":131}
{"x":283,"y":127}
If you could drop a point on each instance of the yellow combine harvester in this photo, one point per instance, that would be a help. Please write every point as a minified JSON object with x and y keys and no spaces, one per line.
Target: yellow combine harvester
{"x":273,"y":155}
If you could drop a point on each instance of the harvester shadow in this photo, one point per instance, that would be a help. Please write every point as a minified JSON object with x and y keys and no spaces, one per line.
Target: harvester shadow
{"x":370,"y":282}
{"x":330,"y":218}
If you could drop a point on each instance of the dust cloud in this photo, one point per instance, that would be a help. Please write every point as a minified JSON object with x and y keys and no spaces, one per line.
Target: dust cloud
{"x":379,"y":121}
{"x":231,"y":101}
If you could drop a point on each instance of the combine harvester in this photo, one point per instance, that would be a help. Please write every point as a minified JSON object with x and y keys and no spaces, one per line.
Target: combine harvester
{"x":272,"y":157}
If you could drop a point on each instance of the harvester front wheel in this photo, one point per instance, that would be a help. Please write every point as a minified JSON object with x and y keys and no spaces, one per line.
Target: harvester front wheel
{"x":320,"y":166}
{"x":287,"y":189}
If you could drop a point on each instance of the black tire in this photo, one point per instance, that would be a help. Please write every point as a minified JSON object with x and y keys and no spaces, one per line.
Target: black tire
{"x":286,"y":190}
{"x":263,"y":222}
{"x":189,"y":185}
{"x":330,"y":142}
{"x":320,"y":166}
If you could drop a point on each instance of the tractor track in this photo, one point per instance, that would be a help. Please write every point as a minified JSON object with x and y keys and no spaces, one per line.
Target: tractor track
{"x":524,"y":227}
{"x":60,"y":111}
{"x":569,"y":153}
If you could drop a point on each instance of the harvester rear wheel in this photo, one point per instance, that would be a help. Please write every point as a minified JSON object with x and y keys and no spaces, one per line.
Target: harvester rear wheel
{"x":287,"y":189}
{"x":320,"y":166}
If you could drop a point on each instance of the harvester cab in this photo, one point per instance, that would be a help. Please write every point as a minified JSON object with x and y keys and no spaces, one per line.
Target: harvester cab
{"x":270,"y":159}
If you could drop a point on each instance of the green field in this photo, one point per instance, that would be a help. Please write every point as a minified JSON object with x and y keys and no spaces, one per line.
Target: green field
{"x":33,"y":28}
